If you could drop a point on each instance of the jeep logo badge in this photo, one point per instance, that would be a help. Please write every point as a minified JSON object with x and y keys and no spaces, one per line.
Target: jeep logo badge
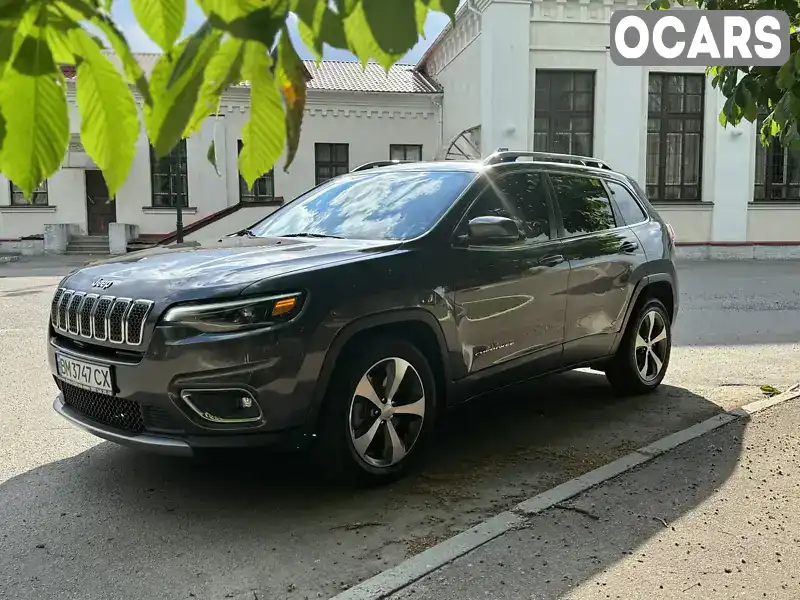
{"x":103,"y":284}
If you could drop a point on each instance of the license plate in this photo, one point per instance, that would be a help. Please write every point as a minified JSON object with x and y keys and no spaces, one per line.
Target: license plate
{"x":86,"y":375}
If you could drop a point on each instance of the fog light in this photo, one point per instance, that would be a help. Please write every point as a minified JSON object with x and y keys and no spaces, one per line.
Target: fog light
{"x":223,"y":405}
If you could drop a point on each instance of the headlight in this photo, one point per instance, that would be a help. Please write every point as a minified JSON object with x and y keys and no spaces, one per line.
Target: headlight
{"x":236,"y":315}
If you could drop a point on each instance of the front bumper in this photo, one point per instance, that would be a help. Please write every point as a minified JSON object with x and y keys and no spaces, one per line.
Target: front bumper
{"x":149,"y":442}
{"x":147,"y":409}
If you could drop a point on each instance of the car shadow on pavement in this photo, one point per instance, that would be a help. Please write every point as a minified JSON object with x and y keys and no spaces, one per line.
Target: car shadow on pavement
{"x":113,"y":522}
{"x":572,"y":550}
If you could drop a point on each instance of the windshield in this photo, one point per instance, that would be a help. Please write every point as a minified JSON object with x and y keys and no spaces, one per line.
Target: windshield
{"x":394,"y":205}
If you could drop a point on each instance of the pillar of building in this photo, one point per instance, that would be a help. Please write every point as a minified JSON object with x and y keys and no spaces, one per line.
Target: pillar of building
{"x":505,"y":75}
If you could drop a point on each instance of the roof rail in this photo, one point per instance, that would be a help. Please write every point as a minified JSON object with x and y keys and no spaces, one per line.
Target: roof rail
{"x":380,"y":163}
{"x":505,"y":156}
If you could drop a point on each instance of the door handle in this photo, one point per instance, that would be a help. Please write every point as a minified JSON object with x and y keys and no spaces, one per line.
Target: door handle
{"x":628,"y":247}
{"x":551,"y":260}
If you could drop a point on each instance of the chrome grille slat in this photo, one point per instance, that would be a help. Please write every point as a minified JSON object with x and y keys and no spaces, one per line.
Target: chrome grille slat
{"x":101,"y":318}
{"x":54,"y":306}
{"x":73,"y":312}
{"x":85,"y":315}
{"x":63,"y":319}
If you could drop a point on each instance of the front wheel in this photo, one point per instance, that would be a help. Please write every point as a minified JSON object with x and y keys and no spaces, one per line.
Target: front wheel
{"x":378,"y":413}
{"x":643,"y":354}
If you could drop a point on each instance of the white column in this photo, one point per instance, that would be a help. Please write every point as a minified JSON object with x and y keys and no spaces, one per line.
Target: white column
{"x":505,"y":74}
{"x":625,"y":123}
{"x":732,"y":171}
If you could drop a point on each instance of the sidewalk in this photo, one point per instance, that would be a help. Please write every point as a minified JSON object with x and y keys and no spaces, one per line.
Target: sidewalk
{"x":714,"y":519}
{"x":45,"y":266}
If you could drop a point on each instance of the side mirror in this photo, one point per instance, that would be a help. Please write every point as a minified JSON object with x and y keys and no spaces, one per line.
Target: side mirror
{"x":496,"y":231}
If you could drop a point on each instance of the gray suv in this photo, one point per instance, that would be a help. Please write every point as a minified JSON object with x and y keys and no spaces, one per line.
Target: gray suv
{"x":351,"y":318}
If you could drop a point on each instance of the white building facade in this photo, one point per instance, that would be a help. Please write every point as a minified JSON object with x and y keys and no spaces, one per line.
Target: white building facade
{"x":519,"y":74}
{"x":352,"y":117}
{"x":538,"y":75}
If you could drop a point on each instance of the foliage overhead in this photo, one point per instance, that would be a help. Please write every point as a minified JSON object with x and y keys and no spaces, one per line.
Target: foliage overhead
{"x":753,"y":93}
{"x":241,"y":42}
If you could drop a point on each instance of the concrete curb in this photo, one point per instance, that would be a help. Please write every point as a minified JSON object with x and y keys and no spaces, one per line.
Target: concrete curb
{"x":415,"y":568}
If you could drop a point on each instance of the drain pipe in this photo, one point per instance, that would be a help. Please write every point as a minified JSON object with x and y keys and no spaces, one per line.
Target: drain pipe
{"x":441,"y":123}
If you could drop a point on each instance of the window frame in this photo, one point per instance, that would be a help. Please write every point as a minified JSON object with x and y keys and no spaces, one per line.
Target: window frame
{"x":16,"y":197}
{"x":252,"y":195}
{"x":619,"y":222}
{"x":332,"y":163}
{"x":664,"y":116}
{"x":486,"y":185}
{"x":181,"y":149}
{"x":405,"y":148}
{"x":552,"y":114}
{"x":768,"y":164}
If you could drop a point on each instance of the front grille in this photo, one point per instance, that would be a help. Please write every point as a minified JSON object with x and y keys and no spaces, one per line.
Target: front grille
{"x":114,"y":412}
{"x":102,"y":318}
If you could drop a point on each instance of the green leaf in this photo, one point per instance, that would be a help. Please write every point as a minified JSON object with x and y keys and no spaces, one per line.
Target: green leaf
{"x":291,"y":79}
{"x":264,"y":134}
{"x":109,"y":119}
{"x":161,"y":20}
{"x":448,"y":7}
{"x":362,"y":42}
{"x":76,"y":9}
{"x":345,"y":7}
{"x":12,"y":9}
{"x":786,"y":77}
{"x":223,"y":70}
{"x":393,"y":24}
{"x":422,"y":16}
{"x":169,"y":115}
{"x":188,"y":52}
{"x":34,"y":108}
{"x":247,"y":19}
{"x":211,"y":155}
{"x":332,"y":31}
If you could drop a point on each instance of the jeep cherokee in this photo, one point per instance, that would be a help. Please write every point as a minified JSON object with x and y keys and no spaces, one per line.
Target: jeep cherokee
{"x":352,"y":316}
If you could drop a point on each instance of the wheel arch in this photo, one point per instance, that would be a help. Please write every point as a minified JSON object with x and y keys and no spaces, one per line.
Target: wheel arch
{"x":416,"y":325}
{"x":657,"y":285}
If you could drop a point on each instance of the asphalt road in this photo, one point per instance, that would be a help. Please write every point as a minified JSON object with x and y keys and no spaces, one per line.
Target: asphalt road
{"x":82,"y":518}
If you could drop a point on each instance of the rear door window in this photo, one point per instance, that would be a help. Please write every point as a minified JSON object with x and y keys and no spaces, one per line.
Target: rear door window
{"x":584,"y":204}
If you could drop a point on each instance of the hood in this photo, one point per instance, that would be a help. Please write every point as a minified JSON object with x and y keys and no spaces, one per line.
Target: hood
{"x":227,"y":265}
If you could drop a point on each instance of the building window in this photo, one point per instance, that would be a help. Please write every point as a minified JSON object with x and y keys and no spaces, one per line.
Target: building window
{"x":331,"y":160}
{"x":564,"y":112}
{"x":38,"y":196}
{"x":263,"y":188}
{"x":405,"y":152}
{"x":169,"y":176}
{"x":674,"y":137}
{"x":777,"y":170}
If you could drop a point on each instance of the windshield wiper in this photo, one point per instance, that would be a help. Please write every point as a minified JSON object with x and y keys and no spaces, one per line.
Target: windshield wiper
{"x":312,"y":235}
{"x":247,"y":232}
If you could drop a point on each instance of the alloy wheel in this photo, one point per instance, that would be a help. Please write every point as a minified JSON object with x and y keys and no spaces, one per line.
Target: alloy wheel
{"x":387,"y":412}
{"x":652,"y":344}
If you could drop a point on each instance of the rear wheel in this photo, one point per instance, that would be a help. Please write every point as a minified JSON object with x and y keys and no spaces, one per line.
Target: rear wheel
{"x":378,"y":413}
{"x":643,"y":355}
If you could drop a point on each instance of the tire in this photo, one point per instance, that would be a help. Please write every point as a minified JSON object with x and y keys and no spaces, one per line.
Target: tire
{"x":632,"y":371}
{"x":347,"y":417}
